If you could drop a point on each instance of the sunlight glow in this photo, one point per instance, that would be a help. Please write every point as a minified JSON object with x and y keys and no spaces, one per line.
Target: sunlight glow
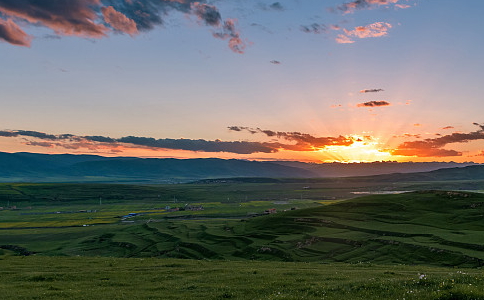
{"x":364,"y":149}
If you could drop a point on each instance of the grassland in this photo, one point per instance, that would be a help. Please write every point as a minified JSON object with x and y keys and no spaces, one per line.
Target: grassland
{"x":37,"y":277}
{"x":74,"y":241}
{"x":432,"y":228}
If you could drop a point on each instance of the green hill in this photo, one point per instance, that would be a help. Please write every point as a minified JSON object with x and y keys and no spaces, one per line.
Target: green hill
{"x":440,"y":228}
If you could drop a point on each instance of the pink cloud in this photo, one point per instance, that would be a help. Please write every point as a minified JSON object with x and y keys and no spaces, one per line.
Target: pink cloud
{"x":377,"y":29}
{"x":236,"y":44}
{"x":119,"y":21}
{"x":343,"y":39}
{"x":74,"y":17}
{"x":13,"y":34}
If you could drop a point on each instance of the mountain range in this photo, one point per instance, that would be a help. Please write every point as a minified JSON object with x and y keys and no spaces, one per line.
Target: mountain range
{"x":33,"y":167}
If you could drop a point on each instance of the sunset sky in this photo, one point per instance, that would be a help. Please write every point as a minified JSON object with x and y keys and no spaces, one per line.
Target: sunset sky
{"x":309,"y":80}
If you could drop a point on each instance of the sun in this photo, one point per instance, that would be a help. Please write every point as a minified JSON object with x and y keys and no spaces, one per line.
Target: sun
{"x":363,"y":149}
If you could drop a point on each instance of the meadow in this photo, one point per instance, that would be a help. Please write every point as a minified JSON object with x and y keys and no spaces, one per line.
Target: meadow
{"x":37,"y":277}
{"x":323,"y":242}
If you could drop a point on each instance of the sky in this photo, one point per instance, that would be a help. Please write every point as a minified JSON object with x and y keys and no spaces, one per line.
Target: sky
{"x":306,"y":80}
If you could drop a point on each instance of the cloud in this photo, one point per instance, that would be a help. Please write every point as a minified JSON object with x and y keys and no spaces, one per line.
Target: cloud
{"x":209,"y":14}
{"x":352,"y":6}
{"x":343,"y":39}
{"x":303,"y":141}
{"x":13,"y":34}
{"x":99,"y":18}
{"x":74,"y":17}
{"x":314,"y":28}
{"x":276,"y":6}
{"x":69,"y":141}
{"x":448,"y":127}
{"x":434,"y":147}
{"x":119,"y":21}
{"x":373,"y":104}
{"x":236,"y":44}
{"x":275,"y":62}
{"x":371,"y":91}
{"x":377,"y":29}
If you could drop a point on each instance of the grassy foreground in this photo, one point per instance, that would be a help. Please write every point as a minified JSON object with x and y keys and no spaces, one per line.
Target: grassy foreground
{"x":36,"y":277}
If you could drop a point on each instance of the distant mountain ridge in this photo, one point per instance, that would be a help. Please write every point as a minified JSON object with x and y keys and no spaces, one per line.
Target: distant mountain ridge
{"x":33,"y":167}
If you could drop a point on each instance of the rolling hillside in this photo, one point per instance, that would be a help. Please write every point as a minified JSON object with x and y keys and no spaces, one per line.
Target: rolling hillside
{"x":440,"y":228}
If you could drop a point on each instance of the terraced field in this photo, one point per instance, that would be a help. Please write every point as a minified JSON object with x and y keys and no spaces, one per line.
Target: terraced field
{"x":427,"y":227}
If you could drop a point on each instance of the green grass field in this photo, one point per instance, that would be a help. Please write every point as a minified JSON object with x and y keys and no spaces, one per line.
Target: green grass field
{"x":72,"y":241}
{"x":37,"y":277}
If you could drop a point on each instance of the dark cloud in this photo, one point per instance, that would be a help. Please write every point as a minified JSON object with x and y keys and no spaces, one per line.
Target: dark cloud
{"x":314,"y":28}
{"x":276,"y":6}
{"x":98,"y":18}
{"x":373,"y":104}
{"x":448,"y":127}
{"x":433,"y":147}
{"x":207,"y":13}
{"x":371,"y":91}
{"x":199,"y":145}
{"x":69,"y":141}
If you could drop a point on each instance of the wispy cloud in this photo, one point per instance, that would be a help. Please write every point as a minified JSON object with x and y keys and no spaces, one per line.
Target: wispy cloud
{"x":434,"y":147}
{"x":229,"y":32}
{"x":276,"y":6}
{"x":371,"y":91}
{"x":373,"y":104}
{"x":352,"y":6}
{"x":99,"y":18}
{"x":378,"y":29}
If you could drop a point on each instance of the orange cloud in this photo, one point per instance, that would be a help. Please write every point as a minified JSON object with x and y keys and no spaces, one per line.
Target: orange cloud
{"x":434,"y":147}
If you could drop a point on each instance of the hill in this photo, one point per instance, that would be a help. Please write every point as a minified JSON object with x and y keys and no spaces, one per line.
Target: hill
{"x":441,"y":228}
